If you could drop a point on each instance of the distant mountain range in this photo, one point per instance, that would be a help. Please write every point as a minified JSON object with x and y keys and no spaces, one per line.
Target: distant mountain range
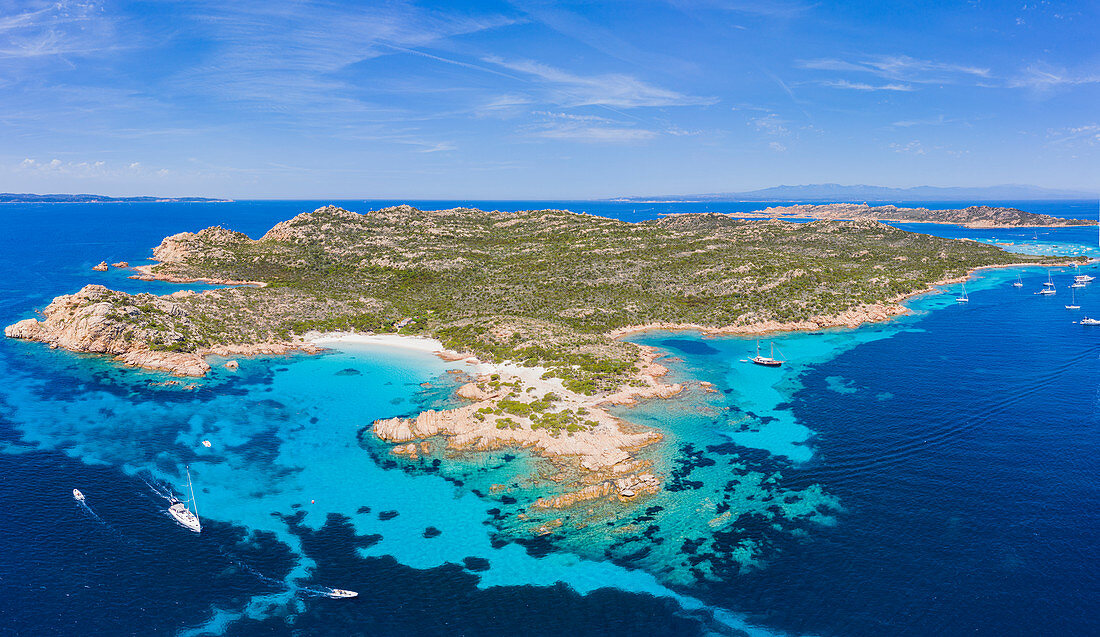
{"x":12,"y":197}
{"x":861,"y":193}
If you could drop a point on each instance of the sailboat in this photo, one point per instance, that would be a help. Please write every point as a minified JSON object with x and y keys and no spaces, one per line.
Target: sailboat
{"x":766,"y":361}
{"x":964,"y":298}
{"x":1019,"y":282}
{"x":179,"y":511}
{"x":1048,"y":287}
{"x":1073,"y":300}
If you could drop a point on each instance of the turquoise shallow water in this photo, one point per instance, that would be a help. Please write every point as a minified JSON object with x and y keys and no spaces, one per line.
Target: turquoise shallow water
{"x":930,"y":475}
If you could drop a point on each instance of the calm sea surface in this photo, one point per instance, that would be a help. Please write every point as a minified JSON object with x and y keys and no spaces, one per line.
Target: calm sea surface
{"x":936,"y":475}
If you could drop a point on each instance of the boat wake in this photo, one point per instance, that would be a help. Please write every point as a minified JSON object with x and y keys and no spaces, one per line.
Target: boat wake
{"x":91,"y":513}
{"x":158,"y":488}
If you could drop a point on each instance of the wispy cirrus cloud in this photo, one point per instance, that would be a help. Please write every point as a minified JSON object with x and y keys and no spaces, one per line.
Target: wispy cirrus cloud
{"x":42,"y":28}
{"x":297,"y":55}
{"x":1087,"y":134}
{"x":586,"y":128}
{"x":901,"y":68}
{"x":617,"y":90}
{"x":939,"y":120}
{"x":1042,"y":77}
{"x":862,"y":86}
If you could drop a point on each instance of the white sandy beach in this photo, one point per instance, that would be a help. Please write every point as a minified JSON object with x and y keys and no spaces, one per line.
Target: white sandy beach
{"x":419,"y":343}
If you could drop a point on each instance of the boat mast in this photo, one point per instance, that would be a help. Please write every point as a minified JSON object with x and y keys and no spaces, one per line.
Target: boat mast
{"x":192,"y":489}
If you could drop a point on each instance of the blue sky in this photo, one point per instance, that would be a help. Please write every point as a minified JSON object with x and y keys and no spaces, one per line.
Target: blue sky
{"x":271,"y":99}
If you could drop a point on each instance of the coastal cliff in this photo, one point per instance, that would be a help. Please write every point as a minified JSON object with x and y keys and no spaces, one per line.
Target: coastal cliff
{"x":142,"y":330}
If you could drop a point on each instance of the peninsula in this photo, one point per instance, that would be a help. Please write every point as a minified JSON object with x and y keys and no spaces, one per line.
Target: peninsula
{"x":537,"y":298}
{"x":971,"y":216}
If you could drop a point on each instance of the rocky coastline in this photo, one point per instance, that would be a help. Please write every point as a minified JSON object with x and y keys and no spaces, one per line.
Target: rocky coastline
{"x":593,"y":450}
{"x":91,"y":321}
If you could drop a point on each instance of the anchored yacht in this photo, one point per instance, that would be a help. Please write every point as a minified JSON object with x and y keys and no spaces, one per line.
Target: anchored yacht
{"x":766,"y":361}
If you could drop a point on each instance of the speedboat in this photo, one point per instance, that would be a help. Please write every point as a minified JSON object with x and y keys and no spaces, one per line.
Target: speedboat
{"x":180,"y":513}
{"x":340,"y":593}
{"x":1083,"y":278}
{"x":1090,"y":321}
{"x":77,"y":495}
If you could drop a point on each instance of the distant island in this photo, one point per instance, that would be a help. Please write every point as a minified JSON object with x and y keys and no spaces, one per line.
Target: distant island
{"x":539,"y":299}
{"x":11,"y":197}
{"x":862,"y":193}
{"x":971,"y":216}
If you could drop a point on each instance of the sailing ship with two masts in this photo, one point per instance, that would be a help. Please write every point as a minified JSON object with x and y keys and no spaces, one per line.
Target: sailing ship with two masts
{"x":767,"y":361}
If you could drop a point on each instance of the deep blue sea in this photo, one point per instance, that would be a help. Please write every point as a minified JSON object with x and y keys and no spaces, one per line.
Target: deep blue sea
{"x":936,"y":475}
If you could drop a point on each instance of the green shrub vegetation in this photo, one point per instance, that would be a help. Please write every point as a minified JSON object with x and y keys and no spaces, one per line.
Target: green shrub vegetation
{"x":539,"y":287}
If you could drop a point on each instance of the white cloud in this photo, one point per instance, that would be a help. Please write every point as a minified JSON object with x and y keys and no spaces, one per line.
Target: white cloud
{"x":771,"y":124}
{"x":1087,"y":134}
{"x":932,"y":121}
{"x":1042,"y":78}
{"x":609,"y":89}
{"x":85,"y":169}
{"x":586,"y":128}
{"x":911,"y":148}
{"x":901,"y":68}
{"x":42,"y":28}
{"x":860,"y":86}
{"x":777,"y":147}
{"x":294,"y":56}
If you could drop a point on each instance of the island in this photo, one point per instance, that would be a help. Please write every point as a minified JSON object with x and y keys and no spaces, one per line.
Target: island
{"x":13,"y":197}
{"x":537,"y":300}
{"x":971,"y":216}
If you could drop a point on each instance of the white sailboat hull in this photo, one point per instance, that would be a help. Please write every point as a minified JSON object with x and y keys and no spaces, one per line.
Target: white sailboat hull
{"x":184,"y":517}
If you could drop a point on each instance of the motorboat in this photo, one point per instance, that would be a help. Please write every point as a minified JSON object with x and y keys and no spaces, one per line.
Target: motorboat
{"x":1090,"y":321}
{"x":340,"y":593}
{"x":77,"y":495}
